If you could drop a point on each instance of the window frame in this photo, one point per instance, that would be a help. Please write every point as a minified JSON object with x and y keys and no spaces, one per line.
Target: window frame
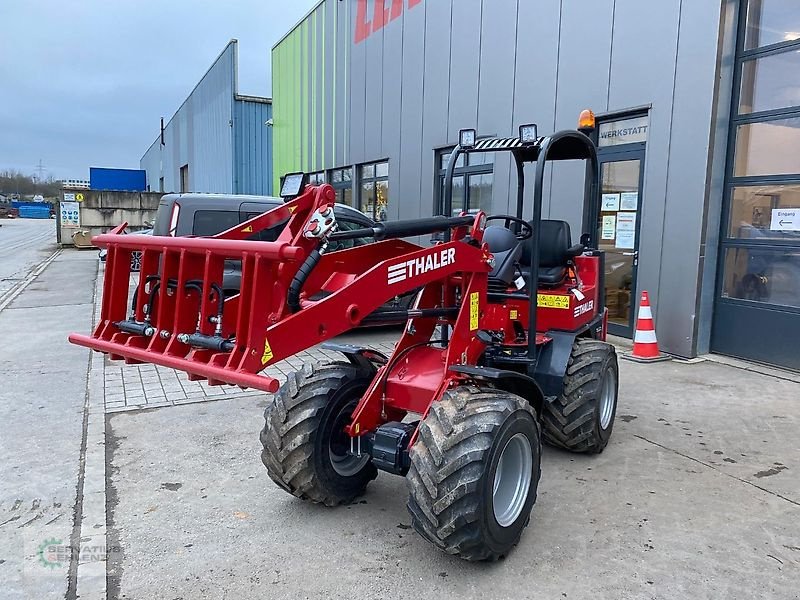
{"x":467,"y":170}
{"x":732,"y":181}
{"x":374,"y":180}
{"x":341,"y":186}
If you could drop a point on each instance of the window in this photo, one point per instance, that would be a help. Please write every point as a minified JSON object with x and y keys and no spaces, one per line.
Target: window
{"x":342,"y":182}
{"x":757,"y":211}
{"x":472,"y":182}
{"x":771,"y":22}
{"x":374,"y":190}
{"x":317,"y":178}
{"x":766,"y":84}
{"x":760,"y":246}
{"x":184,"y":179}
{"x":212,"y":222}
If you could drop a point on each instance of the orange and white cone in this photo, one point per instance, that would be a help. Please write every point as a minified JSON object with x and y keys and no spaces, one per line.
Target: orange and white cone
{"x":645,"y":344}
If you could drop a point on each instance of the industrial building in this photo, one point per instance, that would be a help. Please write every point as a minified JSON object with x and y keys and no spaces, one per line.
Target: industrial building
{"x":698,"y":107}
{"x":218,"y":141}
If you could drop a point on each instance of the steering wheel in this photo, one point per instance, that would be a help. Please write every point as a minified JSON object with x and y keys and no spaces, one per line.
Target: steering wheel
{"x":525,"y":232}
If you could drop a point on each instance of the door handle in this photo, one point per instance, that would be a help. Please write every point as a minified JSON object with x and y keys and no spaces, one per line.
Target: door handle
{"x":631,"y":253}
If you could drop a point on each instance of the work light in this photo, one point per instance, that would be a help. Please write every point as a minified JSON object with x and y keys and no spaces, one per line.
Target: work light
{"x":528,"y":133}
{"x":466,"y":138}
{"x":293,"y":184}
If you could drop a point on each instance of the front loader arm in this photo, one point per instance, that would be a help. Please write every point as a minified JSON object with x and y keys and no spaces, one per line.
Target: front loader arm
{"x":181,"y":320}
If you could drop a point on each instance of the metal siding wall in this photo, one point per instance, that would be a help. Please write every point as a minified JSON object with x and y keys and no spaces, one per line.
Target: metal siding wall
{"x":435,"y":93}
{"x":390,"y":131}
{"x":151,"y":163}
{"x":690,"y":138}
{"x":358,"y":95}
{"x":342,"y":40}
{"x":584,"y":54}
{"x":252,"y":148}
{"x":536,"y":72}
{"x":500,"y":63}
{"x":412,"y":118}
{"x":496,"y":86}
{"x":199,"y":134}
{"x":465,"y":63}
{"x":373,"y":46}
{"x":636,"y":82}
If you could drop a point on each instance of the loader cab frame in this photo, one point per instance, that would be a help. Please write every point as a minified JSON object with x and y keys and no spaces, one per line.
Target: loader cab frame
{"x":530,"y":148}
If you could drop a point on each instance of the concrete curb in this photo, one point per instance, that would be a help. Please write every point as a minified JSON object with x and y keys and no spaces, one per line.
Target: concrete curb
{"x":92,"y":571}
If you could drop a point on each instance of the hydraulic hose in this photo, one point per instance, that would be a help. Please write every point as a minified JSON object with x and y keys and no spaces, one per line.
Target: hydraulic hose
{"x":293,"y":297}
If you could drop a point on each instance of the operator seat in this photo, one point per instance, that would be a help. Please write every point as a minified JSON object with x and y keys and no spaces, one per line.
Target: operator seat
{"x":556,"y":253}
{"x":507,"y":250}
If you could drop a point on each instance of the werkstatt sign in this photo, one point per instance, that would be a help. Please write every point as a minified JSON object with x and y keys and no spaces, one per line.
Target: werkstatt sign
{"x":785,"y":219}
{"x":624,"y":131}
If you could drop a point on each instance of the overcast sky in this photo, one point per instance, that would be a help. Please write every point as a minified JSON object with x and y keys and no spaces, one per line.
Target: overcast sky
{"x":84,"y":82}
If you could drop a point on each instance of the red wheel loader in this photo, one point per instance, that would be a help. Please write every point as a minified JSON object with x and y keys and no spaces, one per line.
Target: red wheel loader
{"x":503,"y":346}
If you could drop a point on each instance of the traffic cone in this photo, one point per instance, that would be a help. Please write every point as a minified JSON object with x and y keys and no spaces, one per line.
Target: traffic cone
{"x":645,"y":344}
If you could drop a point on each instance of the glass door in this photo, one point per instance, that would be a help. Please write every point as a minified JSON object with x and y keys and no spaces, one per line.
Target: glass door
{"x":618,"y":234}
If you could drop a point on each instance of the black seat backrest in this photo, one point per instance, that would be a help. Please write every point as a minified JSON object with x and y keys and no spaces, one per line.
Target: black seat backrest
{"x":506,"y":248}
{"x":555,"y":241}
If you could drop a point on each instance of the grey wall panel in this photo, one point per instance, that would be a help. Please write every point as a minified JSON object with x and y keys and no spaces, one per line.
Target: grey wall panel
{"x":465,"y":59}
{"x":435,"y":94}
{"x":373,"y":109}
{"x":583,"y":64}
{"x":327,"y":91}
{"x":496,"y":87}
{"x":318,"y":95}
{"x":636,"y":82}
{"x":688,"y":165}
{"x":200,"y":133}
{"x":392,"y":69}
{"x":409,"y":188}
{"x":343,"y":91}
{"x":358,"y":95}
{"x":151,"y":164}
{"x":536,"y":68}
{"x":252,"y":148}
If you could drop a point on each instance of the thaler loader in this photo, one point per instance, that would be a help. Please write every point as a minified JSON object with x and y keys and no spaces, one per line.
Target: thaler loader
{"x":503,"y":346}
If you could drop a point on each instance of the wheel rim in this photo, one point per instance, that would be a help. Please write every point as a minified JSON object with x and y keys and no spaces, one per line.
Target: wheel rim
{"x":344,"y":463}
{"x":607,"y":398}
{"x":512,"y":480}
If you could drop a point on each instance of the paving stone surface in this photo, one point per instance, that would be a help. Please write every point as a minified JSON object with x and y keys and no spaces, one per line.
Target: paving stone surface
{"x":135,"y":387}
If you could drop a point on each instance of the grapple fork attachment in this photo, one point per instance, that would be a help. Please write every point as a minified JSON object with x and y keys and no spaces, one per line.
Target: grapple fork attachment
{"x":180,"y":317}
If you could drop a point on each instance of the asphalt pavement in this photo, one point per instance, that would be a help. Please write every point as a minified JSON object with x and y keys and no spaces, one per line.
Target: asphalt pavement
{"x":42,"y":399}
{"x":24,"y":243}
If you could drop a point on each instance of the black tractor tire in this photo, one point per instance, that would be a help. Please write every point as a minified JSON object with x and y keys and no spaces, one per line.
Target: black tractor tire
{"x":580,"y":418}
{"x":304,"y":445}
{"x":454,"y":463}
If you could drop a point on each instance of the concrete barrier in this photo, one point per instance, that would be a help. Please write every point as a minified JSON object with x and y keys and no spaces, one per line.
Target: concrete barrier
{"x":83,"y":213}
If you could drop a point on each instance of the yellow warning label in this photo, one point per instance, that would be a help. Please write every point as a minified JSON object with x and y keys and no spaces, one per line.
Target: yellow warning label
{"x":513,"y":315}
{"x":551,"y":301}
{"x":248,"y":229}
{"x":79,"y":197}
{"x":473,"y":311}
{"x":291,"y":209}
{"x":267,"y":356}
